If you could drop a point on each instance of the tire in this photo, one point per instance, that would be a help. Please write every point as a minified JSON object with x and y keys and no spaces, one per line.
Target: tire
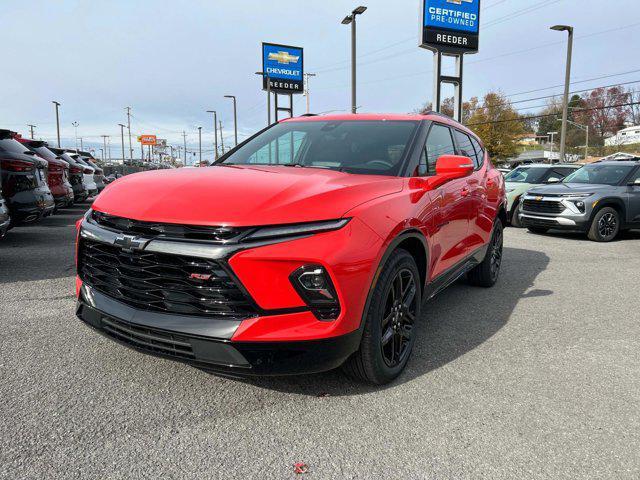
{"x":538,"y":230}
{"x":486,"y":274}
{"x":605,"y":225}
{"x":515,"y":219}
{"x":375,"y":362}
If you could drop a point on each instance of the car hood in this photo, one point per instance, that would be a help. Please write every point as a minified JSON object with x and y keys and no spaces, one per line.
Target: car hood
{"x":241,"y":195}
{"x":561,"y":188}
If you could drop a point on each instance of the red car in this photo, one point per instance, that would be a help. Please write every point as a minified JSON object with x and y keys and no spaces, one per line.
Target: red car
{"x":57,"y":173}
{"x":311,"y":245}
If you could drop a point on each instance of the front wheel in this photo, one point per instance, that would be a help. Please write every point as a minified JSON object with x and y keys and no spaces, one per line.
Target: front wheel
{"x":486,"y":274}
{"x":605,"y":225}
{"x":390,"y":322}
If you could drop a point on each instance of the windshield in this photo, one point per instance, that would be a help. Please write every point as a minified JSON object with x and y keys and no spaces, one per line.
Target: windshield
{"x":527,"y":175}
{"x":365,"y":147}
{"x":600,"y":174}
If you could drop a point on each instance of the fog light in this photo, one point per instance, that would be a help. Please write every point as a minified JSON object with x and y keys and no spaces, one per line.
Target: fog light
{"x":580,"y":206}
{"x":313,"y":284}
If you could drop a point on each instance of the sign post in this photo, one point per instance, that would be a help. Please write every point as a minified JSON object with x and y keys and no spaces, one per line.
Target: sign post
{"x":283,"y":73}
{"x":450,"y":28}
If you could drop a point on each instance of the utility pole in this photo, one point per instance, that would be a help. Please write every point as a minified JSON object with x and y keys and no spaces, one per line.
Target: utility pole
{"x":129,"y":130}
{"x":57,"y":104}
{"x":306,"y":89}
{"x":122,"y":127}
{"x":221,"y":137}
{"x":101,"y":153}
{"x":215,"y":133}
{"x":567,"y":82}
{"x":200,"y":146}
{"x":184,"y":138}
{"x":81,"y":145}
{"x":31,"y":127}
{"x":104,"y":142}
{"x":75,"y":125}
{"x":235,"y":117}
{"x":351,"y":20}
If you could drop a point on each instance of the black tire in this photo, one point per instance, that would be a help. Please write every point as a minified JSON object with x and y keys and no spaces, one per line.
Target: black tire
{"x":515,"y":219}
{"x":605,"y":225}
{"x":375,"y":362}
{"x":538,"y":230}
{"x":486,"y":274}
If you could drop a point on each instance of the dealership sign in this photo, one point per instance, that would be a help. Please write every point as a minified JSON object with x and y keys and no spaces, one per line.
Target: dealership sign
{"x":284,"y":66}
{"x":451,"y":26}
{"x":147,"y":139}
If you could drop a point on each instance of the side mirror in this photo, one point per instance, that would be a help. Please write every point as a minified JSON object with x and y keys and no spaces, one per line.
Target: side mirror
{"x":553,"y":180}
{"x":635,"y":183}
{"x":454,"y":166}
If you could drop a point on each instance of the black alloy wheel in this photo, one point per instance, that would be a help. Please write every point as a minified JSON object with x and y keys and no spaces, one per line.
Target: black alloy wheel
{"x":486,"y":273}
{"x":496,"y":254}
{"x":605,"y":226}
{"x":398,"y":319}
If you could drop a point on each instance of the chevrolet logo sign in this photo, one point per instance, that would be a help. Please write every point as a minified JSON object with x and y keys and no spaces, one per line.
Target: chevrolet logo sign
{"x":283,"y":57}
{"x":129,"y":242}
{"x":459,"y":2}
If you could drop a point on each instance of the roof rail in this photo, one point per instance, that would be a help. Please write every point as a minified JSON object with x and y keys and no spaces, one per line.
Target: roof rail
{"x":309,"y":115}
{"x":440,"y":114}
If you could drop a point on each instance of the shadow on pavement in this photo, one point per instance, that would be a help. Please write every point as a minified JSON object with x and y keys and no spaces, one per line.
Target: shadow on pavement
{"x":455,"y":322}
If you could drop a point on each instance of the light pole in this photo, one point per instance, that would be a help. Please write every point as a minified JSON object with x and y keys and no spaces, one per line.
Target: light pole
{"x":351,"y":19}
{"x":200,"y":145}
{"x":306,"y":89}
{"x":586,"y":129}
{"x":57,"y":104}
{"x":184,"y":139}
{"x":235,"y":117}
{"x":122,"y":127}
{"x":31,"y":127}
{"x":264,"y":74}
{"x":128,"y":109}
{"x":104,"y":141}
{"x":552,"y":135}
{"x":221,"y":137}
{"x":75,"y":125}
{"x":567,"y":82}
{"x":215,"y":133}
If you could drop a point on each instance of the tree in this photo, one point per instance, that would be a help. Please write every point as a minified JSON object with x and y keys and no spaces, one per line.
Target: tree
{"x":448,"y":105}
{"x":602,"y":112}
{"x":498,"y":124}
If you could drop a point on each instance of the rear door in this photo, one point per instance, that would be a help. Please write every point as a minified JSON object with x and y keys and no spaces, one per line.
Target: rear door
{"x":451,"y":205}
{"x":633,"y":199}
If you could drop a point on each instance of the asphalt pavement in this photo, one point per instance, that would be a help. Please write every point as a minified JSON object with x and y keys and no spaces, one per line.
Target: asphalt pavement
{"x":538,"y":377}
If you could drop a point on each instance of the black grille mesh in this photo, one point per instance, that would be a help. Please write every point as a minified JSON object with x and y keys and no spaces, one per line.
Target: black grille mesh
{"x":163,"y":283}
{"x":542,"y":206}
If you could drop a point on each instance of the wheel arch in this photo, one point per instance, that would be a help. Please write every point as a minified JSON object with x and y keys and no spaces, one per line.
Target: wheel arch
{"x":612,"y":202}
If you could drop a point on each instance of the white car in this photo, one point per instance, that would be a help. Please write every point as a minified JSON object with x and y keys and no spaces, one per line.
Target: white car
{"x":87,"y":175}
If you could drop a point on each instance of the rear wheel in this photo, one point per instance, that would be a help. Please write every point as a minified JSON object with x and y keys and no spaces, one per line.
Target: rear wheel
{"x":486,"y":274}
{"x":389,"y":330}
{"x":538,"y":230}
{"x":605,"y":225}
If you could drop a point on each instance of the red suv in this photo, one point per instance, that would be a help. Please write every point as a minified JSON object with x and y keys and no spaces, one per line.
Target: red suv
{"x":311,"y":245}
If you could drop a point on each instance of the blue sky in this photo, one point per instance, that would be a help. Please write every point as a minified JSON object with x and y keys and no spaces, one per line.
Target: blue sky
{"x":172,"y":61}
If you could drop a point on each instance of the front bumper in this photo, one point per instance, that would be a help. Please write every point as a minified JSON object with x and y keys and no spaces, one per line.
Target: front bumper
{"x":207,"y":343}
{"x":558,"y":214}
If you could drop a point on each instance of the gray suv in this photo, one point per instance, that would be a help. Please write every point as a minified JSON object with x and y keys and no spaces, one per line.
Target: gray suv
{"x":600,"y":199}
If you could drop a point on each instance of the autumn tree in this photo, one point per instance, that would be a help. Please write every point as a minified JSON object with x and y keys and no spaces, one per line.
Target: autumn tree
{"x":605,"y":111}
{"x":448,"y":106}
{"x":498,"y":124}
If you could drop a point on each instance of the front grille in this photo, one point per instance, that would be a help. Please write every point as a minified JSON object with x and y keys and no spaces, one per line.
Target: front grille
{"x":148,"y":339}
{"x":542,"y":206}
{"x":154,"y":229}
{"x":539,"y":222}
{"x":163,"y":283}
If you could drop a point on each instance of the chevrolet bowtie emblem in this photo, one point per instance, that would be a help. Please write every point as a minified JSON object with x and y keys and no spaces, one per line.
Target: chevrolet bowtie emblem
{"x":459,"y":2}
{"x":129,"y":242}
{"x":283,"y":57}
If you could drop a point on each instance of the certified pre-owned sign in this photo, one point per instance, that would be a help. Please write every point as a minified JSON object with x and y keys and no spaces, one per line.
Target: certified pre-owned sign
{"x":451,"y":25}
{"x":285,"y":67}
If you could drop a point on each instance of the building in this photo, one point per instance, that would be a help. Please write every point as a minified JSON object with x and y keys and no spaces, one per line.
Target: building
{"x":627,"y":136}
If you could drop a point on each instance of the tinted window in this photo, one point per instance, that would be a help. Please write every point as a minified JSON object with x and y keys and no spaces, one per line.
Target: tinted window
{"x":10,"y":145}
{"x":600,"y":174}
{"x":439,"y":143}
{"x":527,"y":175}
{"x":479,"y":152}
{"x":636,"y":177}
{"x":466,"y":147}
{"x":366,"y":147}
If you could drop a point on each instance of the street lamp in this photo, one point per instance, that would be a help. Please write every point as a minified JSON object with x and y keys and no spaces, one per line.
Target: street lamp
{"x":200,"y":145}
{"x":235,"y":117}
{"x":351,"y":20}
{"x":75,"y":124}
{"x":215,"y":133}
{"x":57,"y":104}
{"x":266,"y":74}
{"x":567,"y":82}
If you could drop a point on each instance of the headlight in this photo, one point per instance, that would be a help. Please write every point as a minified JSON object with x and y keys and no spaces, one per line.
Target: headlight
{"x":577,"y":195}
{"x":297,"y":229}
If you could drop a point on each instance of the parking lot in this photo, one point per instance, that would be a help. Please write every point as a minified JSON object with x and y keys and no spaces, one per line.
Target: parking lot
{"x":537,"y":377}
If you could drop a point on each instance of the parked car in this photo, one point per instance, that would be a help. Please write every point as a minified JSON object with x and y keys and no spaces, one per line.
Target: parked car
{"x":520,"y":180}
{"x":88,"y":173}
{"x":5,"y":218}
{"x":76,"y":175}
{"x":299,"y":258}
{"x":24,"y":181}
{"x":57,"y":172}
{"x":601,"y":199}
{"x":98,"y":173}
